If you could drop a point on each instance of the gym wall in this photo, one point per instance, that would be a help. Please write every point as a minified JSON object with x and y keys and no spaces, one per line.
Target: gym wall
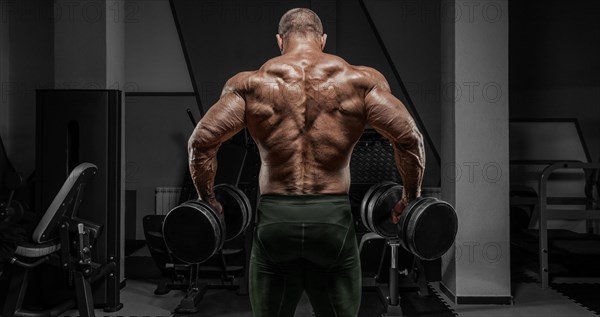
{"x":154,"y":59}
{"x":156,"y":125}
{"x":553,"y":73}
{"x":411,"y":32}
{"x":4,"y":75}
{"x":156,"y":132}
{"x":27,"y":64}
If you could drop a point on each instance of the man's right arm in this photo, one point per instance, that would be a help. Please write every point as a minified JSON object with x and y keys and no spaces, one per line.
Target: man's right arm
{"x":388,"y":116}
{"x":222,"y":121}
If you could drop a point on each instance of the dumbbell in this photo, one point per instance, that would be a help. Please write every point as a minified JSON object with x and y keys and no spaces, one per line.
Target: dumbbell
{"x":194,"y":231}
{"x":427,"y":226}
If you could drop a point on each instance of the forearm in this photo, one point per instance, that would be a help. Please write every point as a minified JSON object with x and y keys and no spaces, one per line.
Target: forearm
{"x":203,"y":168}
{"x":409,"y":155}
{"x":411,"y":170}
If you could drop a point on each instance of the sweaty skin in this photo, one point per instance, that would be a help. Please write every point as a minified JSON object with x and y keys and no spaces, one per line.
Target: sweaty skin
{"x":306,"y":110}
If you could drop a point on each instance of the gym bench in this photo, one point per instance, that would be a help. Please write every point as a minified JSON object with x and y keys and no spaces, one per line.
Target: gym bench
{"x":62,"y":239}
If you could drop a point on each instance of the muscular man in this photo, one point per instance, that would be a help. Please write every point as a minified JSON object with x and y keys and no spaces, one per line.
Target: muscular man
{"x":306,"y":110}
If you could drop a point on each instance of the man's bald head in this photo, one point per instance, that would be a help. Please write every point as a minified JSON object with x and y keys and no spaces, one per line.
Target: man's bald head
{"x":300,"y":21}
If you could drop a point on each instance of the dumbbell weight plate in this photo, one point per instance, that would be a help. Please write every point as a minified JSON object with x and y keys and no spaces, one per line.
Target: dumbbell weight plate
{"x":372,"y":205}
{"x":381,"y":211}
{"x":367,"y":198}
{"x":248,"y":206}
{"x":219,"y":217}
{"x":193,"y":232}
{"x":234,"y":210}
{"x":430,"y":228}
{"x":404,"y":220}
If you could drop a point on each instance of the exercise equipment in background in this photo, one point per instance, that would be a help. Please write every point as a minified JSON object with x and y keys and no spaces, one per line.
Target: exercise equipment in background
{"x":62,"y":239}
{"x":195,"y":232}
{"x":75,"y":126}
{"x":554,"y":194}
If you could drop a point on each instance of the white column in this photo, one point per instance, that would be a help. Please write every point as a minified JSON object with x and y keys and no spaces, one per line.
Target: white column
{"x":475,"y":165}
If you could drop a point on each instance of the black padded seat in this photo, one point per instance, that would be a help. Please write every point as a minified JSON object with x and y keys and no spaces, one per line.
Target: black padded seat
{"x":36,"y":250}
{"x":44,"y":238}
{"x":64,"y":200}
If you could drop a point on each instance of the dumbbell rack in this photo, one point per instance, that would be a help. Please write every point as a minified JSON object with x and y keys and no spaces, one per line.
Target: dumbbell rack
{"x":393,"y":308}
{"x":194,"y":294}
{"x":390,"y":294}
{"x":173,"y":271}
{"x":194,"y":290}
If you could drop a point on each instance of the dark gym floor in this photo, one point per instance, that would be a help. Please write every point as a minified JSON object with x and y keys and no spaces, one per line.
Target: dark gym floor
{"x":529,"y":300}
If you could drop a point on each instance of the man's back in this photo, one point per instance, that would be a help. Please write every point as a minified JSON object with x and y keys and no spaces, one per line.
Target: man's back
{"x":305,"y":113}
{"x":306,"y":110}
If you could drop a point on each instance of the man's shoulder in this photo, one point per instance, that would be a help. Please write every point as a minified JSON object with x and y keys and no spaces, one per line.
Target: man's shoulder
{"x":241,"y":82}
{"x":357,"y":72}
{"x":369,"y":73}
{"x":242,"y":76}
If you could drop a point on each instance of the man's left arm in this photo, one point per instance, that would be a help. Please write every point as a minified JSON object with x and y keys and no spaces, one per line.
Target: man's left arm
{"x":222,"y":121}
{"x":388,"y":116}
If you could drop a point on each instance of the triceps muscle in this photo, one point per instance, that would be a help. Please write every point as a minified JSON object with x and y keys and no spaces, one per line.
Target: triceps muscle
{"x":222,"y":121}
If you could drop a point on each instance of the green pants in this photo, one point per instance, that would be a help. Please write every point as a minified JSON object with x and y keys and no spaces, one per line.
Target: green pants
{"x":305,"y":244}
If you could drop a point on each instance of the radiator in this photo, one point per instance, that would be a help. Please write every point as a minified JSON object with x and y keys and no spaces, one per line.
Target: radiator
{"x":166,"y":198}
